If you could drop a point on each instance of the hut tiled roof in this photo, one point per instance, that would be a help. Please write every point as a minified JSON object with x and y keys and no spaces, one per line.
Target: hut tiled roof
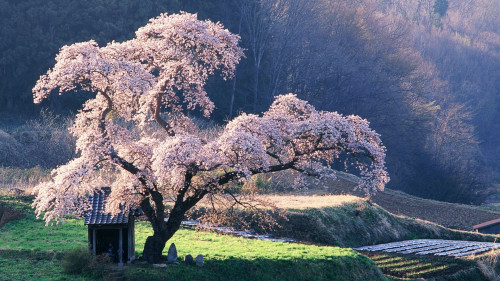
{"x":96,"y":214}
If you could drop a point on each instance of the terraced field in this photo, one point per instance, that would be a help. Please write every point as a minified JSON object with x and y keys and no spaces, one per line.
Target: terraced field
{"x":436,"y":247}
{"x":456,"y":216}
{"x":417,"y":267}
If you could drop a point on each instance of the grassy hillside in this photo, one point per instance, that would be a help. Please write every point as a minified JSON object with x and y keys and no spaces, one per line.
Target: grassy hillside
{"x":30,"y":250}
{"x":450,"y":215}
{"x":350,"y":221}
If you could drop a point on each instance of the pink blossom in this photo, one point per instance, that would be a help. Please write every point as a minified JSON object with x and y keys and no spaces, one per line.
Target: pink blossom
{"x":136,"y":125}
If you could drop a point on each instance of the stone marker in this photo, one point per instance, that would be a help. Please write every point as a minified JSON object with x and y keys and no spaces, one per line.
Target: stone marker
{"x":188,"y":259}
{"x":172,"y":254}
{"x":199,"y":260}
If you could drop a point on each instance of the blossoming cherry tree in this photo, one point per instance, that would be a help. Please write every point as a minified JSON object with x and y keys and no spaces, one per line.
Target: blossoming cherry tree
{"x":137,"y":127}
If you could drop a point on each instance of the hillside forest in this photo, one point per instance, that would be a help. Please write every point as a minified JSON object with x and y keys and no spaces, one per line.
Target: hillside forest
{"x":425,"y":73}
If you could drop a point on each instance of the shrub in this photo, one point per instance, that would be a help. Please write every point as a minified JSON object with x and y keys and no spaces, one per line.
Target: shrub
{"x":81,"y":261}
{"x":99,"y":265}
{"x":76,"y":261}
{"x":46,"y":141}
{"x":10,"y":150}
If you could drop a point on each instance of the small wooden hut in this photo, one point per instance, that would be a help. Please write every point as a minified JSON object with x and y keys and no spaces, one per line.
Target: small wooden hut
{"x":108,"y":234}
{"x":489,"y":227}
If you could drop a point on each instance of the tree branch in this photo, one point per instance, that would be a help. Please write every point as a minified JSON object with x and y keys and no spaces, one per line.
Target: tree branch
{"x":131,"y":168}
{"x":156,"y":114}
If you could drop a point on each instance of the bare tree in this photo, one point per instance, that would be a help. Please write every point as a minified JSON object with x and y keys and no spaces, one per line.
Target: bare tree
{"x":256,"y":24}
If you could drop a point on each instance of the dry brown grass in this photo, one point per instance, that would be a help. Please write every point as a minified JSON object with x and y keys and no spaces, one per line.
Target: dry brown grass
{"x":489,"y":265}
{"x":20,"y":182}
{"x":302,"y":202}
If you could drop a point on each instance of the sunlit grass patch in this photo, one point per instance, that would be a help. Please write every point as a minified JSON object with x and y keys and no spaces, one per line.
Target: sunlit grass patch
{"x":30,"y":234}
{"x":228,"y":257}
{"x":425,"y":271}
{"x":417,"y":265}
{"x":387,"y":260}
{"x":380,"y":257}
{"x":222,"y":246}
{"x":398,"y":264}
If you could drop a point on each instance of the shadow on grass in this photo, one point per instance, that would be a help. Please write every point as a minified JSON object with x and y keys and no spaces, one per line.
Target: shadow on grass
{"x":8,"y":214}
{"x":22,"y":265}
{"x":31,"y":254}
{"x":348,"y":268}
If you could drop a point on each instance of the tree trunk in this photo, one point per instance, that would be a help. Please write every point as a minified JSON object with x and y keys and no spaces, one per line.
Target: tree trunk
{"x":163,"y":228}
{"x":153,"y":248}
{"x":162,"y":232}
{"x":233,"y":93}
{"x":256,"y":87}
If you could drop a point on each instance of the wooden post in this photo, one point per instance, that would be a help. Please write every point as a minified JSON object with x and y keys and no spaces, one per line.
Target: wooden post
{"x":93,"y":241}
{"x":129,"y":246}
{"x":132,"y":237}
{"x":89,"y":239}
{"x":120,"y":247}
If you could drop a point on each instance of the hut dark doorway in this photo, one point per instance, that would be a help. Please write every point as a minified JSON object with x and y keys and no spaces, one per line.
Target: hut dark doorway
{"x":108,"y":234}
{"x":107,"y":241}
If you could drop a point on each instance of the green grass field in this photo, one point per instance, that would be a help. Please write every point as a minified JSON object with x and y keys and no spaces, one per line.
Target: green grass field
{"x":29,"y":250}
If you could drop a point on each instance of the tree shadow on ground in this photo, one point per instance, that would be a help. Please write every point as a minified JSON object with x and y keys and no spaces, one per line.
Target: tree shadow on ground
{"x":346,"y":268}
{"x":31,"y":254}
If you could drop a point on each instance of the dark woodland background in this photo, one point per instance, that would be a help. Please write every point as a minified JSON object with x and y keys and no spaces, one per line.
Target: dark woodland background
{"x":425,"y":73}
